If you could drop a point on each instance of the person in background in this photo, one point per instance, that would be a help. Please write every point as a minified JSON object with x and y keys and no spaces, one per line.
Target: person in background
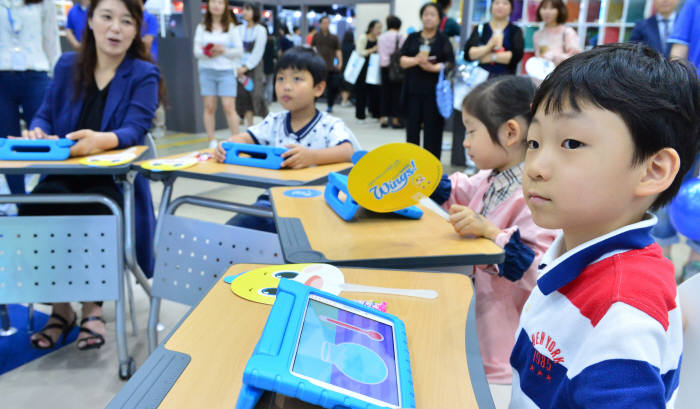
{"x":555,"y":41}
{"x":448,"y":25}
{"x":149,"y":33}
{"x":217,"y":46}
{"x":347,"y":46}
{"x":498,"y":45}
{"x":269,"y":58}
{"x":389,"y":43}
{"x":296,"y":38}
{"x":423,"y":55}
{"x":76,"y":22}
{"x":254,"y":36}
{"x":685,"y":42}
{"x":328,"y":47}
{"x":367,"y":95}
{"x":29,"y":48}
{"x":286,"y":41}
{"x":103,"y":98}
{"x":655,"y":30}
{"x":310,"y":36}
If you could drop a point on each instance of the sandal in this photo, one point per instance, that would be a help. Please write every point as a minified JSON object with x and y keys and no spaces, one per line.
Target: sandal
{"x":93,"y":335}
{"x":63,"y":336}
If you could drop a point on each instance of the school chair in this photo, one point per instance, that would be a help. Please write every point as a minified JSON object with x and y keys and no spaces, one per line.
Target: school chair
{"x":54,"y":259}
{"x":690,"y":365}
{"x":191,"y":255}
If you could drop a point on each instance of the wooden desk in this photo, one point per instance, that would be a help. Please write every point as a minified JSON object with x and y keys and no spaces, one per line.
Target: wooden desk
{"x":311,"y":232}
{"x":246,"y":175}
{"x":70,"y":166}
{"x":219,"y":336}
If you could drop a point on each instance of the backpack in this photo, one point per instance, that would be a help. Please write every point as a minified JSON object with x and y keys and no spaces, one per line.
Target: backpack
{"x":396,"y":73}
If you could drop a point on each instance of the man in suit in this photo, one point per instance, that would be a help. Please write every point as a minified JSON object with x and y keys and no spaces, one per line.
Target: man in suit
{"x":655,"y":30}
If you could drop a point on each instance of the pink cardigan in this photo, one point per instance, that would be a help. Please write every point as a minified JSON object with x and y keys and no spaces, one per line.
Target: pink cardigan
{"x":499,"y":301}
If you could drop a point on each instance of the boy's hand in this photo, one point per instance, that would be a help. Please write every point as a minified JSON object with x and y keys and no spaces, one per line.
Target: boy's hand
{"x":298,"y":157}
{"x":468,"y":223}
{"x":220,"y":153}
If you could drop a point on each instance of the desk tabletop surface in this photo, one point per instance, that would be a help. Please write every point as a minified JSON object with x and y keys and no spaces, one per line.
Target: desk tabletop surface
{"x":371,"y":239}
{"x":69,"y":166}
{"x":246,"y":175}
{"x":222,"y":331}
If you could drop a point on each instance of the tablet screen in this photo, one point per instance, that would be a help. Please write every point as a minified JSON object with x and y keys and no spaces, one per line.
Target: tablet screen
{"x":347,"y":350}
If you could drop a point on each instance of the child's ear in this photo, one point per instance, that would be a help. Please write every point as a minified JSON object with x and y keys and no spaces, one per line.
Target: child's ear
{"x":660,"y":171}
{"x":512,"y":133}
{"x":319,"y":88}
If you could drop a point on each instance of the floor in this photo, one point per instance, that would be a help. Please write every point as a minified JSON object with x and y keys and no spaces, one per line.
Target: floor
{"x":76,"y":379}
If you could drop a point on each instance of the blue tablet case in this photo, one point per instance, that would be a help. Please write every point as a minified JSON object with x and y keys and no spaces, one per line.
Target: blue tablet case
{"x":347,"y":209}
{"x":35,"y":149}
{"x":261,"y":156}
{"x":269,"y":367}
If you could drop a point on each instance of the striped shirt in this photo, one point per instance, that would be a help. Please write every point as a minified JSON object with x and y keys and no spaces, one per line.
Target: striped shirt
{"x":602,"y":328}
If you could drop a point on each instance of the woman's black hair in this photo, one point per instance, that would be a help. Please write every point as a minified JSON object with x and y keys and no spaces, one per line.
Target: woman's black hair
{"x":437,"y":8}
{"x":393,"y":22}
{"x":562,"y":13}
{"x":658,"y":100}
{"x":498,"y":100}
{"x":256,"y":11}
{"x":511,"y":6}
{"x":370,"y":26}
{"x":304,"y":59}
{"x":444,"y":4}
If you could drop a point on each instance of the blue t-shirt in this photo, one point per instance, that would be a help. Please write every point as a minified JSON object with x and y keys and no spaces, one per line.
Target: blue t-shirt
{"x":686,"y":30}
{"x":150,"y":27}
{"x":77,"y":21}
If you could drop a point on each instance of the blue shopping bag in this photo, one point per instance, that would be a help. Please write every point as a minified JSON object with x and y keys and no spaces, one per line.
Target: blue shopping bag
{"x":443,"y":95}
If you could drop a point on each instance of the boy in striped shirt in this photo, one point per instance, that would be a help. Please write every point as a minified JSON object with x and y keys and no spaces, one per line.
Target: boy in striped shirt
{"x":614,"y":131}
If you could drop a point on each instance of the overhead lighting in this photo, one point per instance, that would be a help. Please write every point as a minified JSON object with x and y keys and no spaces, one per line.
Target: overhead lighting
{"x":297,"y":14}
{"x":312,"y":14}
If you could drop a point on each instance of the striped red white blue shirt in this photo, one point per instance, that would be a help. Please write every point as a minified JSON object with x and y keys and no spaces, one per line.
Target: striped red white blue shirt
{"x":602,"y":328}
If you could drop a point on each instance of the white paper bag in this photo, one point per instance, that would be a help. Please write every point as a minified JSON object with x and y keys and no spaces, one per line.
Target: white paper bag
{"x":353,"y":67}
{"x":374,"y":76}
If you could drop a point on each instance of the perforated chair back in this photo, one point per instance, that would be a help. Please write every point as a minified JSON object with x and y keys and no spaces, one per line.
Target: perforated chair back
{"x":58,"y":258}
{"x":193,"y":254}
{"x":689,"y":294}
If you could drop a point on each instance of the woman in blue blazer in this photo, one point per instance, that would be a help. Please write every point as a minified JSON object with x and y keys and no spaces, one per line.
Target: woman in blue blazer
{"x":103,"y":98}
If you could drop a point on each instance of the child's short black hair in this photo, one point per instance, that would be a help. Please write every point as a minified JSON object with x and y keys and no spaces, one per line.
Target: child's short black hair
{"x":658,"y":99}
{"x":304,"y":59}
{"x":498,"y":100}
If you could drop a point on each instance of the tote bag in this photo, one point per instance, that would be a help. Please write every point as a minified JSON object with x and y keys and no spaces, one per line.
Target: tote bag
{"x":353,"y":68}
{"x":443,"y":95}
{"x":373,"y":73}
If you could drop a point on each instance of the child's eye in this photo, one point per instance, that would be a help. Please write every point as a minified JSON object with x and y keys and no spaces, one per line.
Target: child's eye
{"x":532,"y":144}
{"x":280,"y":79}
{"x":297,"y":79}
{"x":571,"y":144}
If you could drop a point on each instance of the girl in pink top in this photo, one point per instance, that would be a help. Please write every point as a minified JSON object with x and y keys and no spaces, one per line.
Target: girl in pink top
{"x":555,"y":41}
{"x":491,"y":204}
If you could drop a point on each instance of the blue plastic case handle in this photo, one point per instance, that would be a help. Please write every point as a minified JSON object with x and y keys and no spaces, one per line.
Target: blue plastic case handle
{"x":35,"y":149}
{"x":261,"y":156}
{"x":339,"y":183}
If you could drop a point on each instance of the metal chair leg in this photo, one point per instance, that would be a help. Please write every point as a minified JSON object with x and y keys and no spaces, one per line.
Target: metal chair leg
{"x":153,"y":324}
{"x":130,"y":296}
{"x":5,"y":329}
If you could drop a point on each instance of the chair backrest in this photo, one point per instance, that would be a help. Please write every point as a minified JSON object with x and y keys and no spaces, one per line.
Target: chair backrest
{"x":191,"y":255}
{"x":59,"y":258}
{"x":689,"y":294}
{"x":152,"y":152}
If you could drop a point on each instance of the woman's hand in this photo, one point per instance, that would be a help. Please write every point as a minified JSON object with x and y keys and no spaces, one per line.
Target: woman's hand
{"x":217,"y":50}
{"x":36,"y":133}
{"x":468,"y":223}
{"x":298,"y":157}
{"x":88,"y":142}
{"x":430,"y":67}
{"x":496,"y":41}
{"x":242,"y":70}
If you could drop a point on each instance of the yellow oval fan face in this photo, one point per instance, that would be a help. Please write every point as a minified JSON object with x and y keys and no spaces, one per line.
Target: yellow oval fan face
{"x":110,"y":159}
{"x":260,"y":284}
{"x":393,"y":177}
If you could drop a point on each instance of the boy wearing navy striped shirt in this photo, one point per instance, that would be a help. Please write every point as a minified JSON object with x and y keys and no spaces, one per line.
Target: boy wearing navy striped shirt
{"x":614,"y":131}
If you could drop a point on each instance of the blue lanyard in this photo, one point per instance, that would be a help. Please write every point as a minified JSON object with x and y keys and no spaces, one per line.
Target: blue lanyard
{"x":12,"y":22}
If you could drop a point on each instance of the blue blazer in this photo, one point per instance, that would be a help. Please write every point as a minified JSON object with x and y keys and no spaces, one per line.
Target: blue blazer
{"x":131,"y":104}
{"x":647,"y":32}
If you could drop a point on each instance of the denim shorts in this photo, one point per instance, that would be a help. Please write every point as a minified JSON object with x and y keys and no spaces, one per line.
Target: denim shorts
{"x":220,"y":83}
